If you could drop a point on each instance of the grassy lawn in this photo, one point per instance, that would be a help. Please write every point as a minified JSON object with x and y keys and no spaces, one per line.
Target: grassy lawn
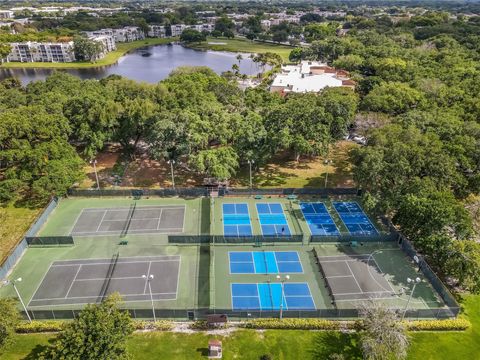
{"x":243,"y":45}
{"x":14,"y":222}
{"x":109,"y":59}
{"x":284,"y":172}
{"x":451,"y":345}
{"x":280,"y":344}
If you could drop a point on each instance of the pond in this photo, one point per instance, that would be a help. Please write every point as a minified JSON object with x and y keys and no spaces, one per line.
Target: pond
{"x":150,"y":64}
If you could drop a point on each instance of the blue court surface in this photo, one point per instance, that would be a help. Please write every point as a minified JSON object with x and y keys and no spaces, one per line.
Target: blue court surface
{"x":269,"y":296}
{"x":272,"y":219}
{"x":354,"y":218}
{"x":236,"y":220}
{"x":264,"y":262}
{"x":318,"y":219}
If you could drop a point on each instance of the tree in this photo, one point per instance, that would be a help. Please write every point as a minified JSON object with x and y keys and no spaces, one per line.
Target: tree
{"x":224,"y":24}
{"x":86,"y":49}
{"x":384,"y":336}
{"x":5,"y":50}
{"x":9,"y":317}
{"x":296,"y":55}
{"x":220,"y":163}
{"x":99,"y":332}
{"x":251,"y":36}
{"x":192,"y":36}
{"x":393,"y":98}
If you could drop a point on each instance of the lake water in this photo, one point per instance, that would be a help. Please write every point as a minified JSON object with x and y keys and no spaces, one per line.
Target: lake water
{"x":150,"y":64}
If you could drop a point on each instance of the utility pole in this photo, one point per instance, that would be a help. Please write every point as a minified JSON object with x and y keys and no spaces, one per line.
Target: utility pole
{"x":171,"y":162}
{"x":94,"y":163}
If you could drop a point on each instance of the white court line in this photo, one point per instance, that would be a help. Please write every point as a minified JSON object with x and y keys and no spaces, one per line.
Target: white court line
{"x":353,"y":275}
{"x":96,"y":296}
{"x":123,"y":262}
{"x":113,"y":278}
{"x":140,"y":231}
{"x":146,"y":279}
{"x":101,"y":221}
{"x":158,"y":223}
{"x":41,"y":281}
{"x":157,"y":257}
{"x":76,"y":220}
{"x":71,"y":284}
{"x":360,"y":293}
{"x":139,"y":207}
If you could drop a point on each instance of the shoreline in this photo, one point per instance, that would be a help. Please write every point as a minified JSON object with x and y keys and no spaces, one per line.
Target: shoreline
{"x":110,"y":59}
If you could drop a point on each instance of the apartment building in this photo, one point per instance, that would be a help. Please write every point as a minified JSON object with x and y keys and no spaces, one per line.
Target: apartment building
{"x":157,"y":31}
{"x":42,"y":52}
{"x":126,"y":34}
{"x":107,"y":41}
{"x":6,"y":14}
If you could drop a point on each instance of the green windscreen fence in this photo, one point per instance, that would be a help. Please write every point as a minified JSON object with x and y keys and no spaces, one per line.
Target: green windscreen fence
{"x":49,"y":240}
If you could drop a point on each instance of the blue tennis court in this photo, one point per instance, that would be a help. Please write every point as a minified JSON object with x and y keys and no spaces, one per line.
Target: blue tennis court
{"x":318,"y":219}
{"x":264,"y":262}
{"x":269,"y":296}
{"x":354,"y":218}
{"x":236,"y":220}
{"x":272,"y":219}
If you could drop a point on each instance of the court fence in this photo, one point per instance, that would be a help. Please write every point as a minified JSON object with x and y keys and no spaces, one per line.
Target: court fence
{"x":202,"y":191}
{"x":19,"y":250}
{"x":202,"y":313}
{"x":278,"y":240}
{"x":49,"y":240}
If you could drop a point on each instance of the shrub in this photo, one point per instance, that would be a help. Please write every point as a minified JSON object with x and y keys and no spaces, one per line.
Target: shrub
{"x":40,"y":326}
{"x":199,"y":325}
{"x":438,"y":325}
{"x":299,"y":324}
{"x":163,"y":325}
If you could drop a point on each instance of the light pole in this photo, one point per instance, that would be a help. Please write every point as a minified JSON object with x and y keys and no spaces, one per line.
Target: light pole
{"x":326,"y":162}
{"x":171,"y":162}
{"x":415,"y":282}
{"x":94,"y":163}
{"x":150,"y":278}
{"x":282,"y":281}
{"x":250,"y":162}
{"x":18,"y":294}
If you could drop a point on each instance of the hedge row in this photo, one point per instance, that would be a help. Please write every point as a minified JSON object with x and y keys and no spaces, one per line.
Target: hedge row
{"x":55,"y":326}
{"x":438,"y":325}
{"x":291,"y":324}
{"x":322,"y":324}
{"x":299,"y":324}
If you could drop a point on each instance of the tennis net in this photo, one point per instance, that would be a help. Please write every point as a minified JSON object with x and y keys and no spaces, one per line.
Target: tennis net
{"x":324,"y":276}
{"x":129,"y":220}
{"x":108,"y":276}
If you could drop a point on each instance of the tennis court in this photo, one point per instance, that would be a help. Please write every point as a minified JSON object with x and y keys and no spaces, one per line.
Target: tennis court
{"x":236,"y":220}
{"x":91,"y":280}
{"x":354,"y":277}
{"x":269,"y":296}
{"x":318,"y":219}
{"x":264,"y":262}
{"x":272,"y":219}
{"x":157,"y":219}
{"x":354,"y":218}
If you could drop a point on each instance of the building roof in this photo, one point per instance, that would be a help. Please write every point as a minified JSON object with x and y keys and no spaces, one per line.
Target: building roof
{"x":299,"y":78}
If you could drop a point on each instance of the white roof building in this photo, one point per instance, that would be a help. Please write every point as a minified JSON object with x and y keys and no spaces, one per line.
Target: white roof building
{"x":309,"y":76}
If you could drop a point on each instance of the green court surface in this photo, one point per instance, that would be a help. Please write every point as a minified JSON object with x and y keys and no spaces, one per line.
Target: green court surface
{"x":394,"y":266}
{"x":203,"y":278}
{"x":65,"y":216}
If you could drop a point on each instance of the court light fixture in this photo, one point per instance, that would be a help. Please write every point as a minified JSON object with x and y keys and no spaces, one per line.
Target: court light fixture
{"x":13,"y":283}
{"x":149,"y":278}
{"x":282,"y":280}
{"x":415,"y":282}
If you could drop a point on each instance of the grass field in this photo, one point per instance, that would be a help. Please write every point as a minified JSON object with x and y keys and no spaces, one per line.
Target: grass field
{"x":14,"y":222}
{"x":280,"y":344}
{"x":109,"y":59}
{"x":243,"y":46}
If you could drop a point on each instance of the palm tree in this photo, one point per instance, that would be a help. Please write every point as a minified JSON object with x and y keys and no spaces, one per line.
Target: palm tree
{"x":239,"y":58}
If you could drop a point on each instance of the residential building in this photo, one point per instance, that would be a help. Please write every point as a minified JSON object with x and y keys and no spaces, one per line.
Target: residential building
{"x":6,"y":14}
{"x":126,"y":34}
{"x":42,"y":52}
{"x":157,"y":31}
{"x":108,"y":42}
{"x":309,"y":76}
{"x":178,"y":29}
